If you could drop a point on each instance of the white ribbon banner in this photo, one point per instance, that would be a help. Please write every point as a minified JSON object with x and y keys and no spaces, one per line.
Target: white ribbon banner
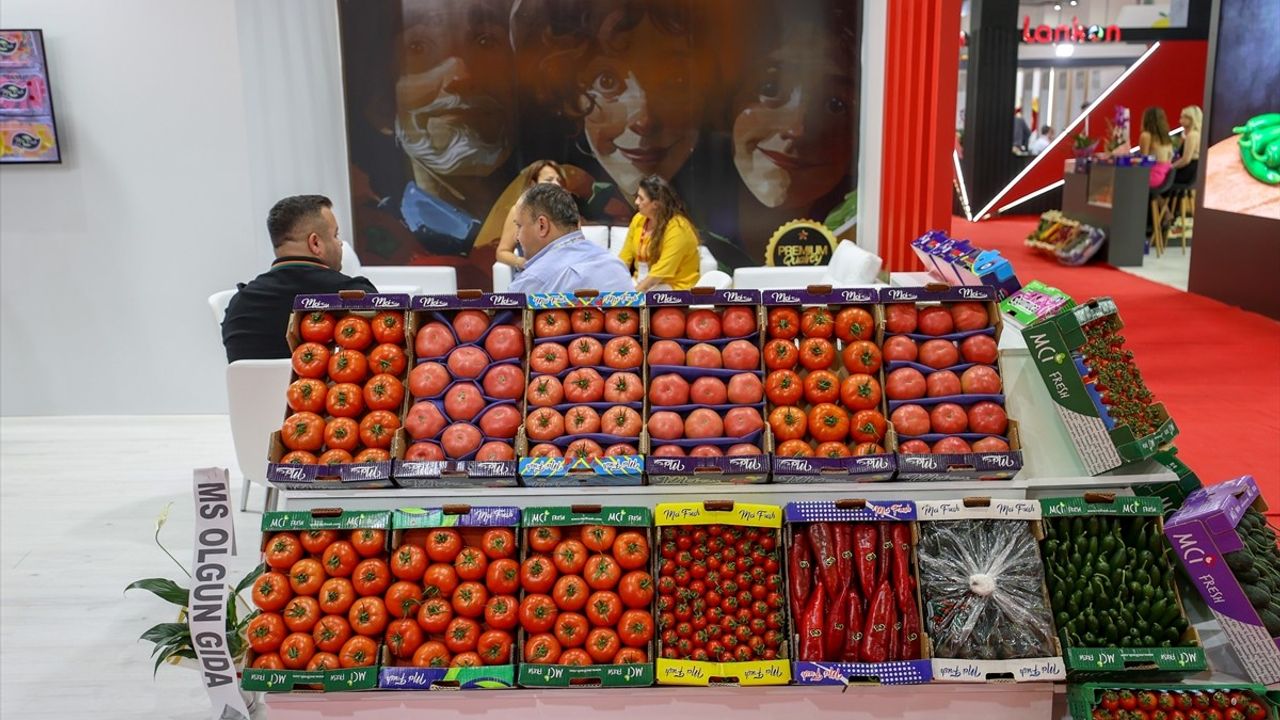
{"x":207,"y":616}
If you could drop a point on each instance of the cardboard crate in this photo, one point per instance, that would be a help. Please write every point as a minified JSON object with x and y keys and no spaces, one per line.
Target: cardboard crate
{"x":861,"y":468}
{"x":958,"y":466}
{"x":604,"y":471}
{"x":1203,"y":532}
{"x":1034,"y":302}
{"x":1035,"y":669}
{"x":1083,"y":699}
{"x":1172,"y":494}
{"x":894,"y":672}
{"x":326,"y":477}
{"x":990,"y":268}
{"x":693,"y":672}
{"x":1054,"y":344}
{"x":457,"y":473}
{"x":408,"y":525}
{"x":570,"y":520}
{"x":1093,"y":661}
{"x":739,"y":469}
{"x":343,"y":679}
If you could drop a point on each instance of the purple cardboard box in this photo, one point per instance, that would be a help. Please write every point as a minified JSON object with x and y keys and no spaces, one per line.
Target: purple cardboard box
{"x":1201,"y":533}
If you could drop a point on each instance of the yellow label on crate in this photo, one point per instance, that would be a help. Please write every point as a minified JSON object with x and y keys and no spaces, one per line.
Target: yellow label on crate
{"x":691,"y":672}
{"x":685,"y":672}
{"x":696,"y":513}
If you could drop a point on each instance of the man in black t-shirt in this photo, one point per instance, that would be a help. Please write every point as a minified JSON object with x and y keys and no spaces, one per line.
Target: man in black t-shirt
{"x":304,"y":233}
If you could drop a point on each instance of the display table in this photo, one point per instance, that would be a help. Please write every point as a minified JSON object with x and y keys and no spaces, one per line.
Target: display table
{"x":1115,"y":198}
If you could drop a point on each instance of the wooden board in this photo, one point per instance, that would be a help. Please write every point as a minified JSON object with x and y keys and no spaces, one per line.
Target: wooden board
{"x":1229,"y":187}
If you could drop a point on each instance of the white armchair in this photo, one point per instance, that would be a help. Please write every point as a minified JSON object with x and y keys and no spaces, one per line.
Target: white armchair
{"x":412,"y":279}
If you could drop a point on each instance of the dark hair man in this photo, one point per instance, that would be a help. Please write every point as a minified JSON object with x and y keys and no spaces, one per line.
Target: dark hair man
{"x":558,"y":257}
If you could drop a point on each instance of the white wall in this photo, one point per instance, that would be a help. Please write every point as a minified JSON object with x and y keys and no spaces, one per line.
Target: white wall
{"x":181,"y":122}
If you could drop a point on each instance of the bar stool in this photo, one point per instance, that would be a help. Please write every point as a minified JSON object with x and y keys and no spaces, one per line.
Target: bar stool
{"x":1159,"y":208}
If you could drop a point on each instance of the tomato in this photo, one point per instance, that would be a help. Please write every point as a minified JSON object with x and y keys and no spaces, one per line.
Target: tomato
{"x":469,"y":325}
{"x":666,"y":352}
{"x":428,"y":380}
{"x":780,"y":355}
{"x":466,"y":659}
{"x":537,"y":574}
{"x":854,"y":324}
{"x":817,"y":353}
{"x":622,"y":449}
{"x":423,"y":421}
{"x":330,"y":633}
{"x":604,"y":608}
{"x":935,"y":320}
{"x":603,"y":644}
{"x":542,"y":649}
{"x":371,"y":577}
{"x":816,"y":322}
{"x":703,"y":355}
{"x":586,"y":351}
{"x":969,"y":316}
{"x":832,"y":449}
{"x":299,"y":457}
{"x":820,"y":386}
{"x":741,"y":355}
{"x":403,"y":599}
{"x":631,"y":550}
{"x":502,"y":612}
{"x":296,"y":650}
{"x":336,"y":456}
{"x":344,"y":400}
{"x":910,"y":420}
{"x":494,"y":648}
{"x":467,"y":361}
{"x":496,"y":451}
{"x":315,"y":541}
{"x":708,"y":391}
{"x":368,"y":616}
{"x":359,"y":651}
{"x":942,"y":384}
{"x":549,"y":358}
{"x":323,"y":662}
{"x":988,"y":418}
{"x":571,"y":629}
{"x":630,"y":656}
{"x":745,"y":389}
{"x":788,"y":423}
{"x":979,"y":349}
{"x":471,"y":563}
{"x":581,"y":420}
{"x":377,"y":428}
{"x":668,"y":450}
{"x":460,"y":439}
{"x":432,"y":653}
{"x":860,"y":392}
{"x":570,"y":556}
{"x":310,"y":360}
{"x":551,"y":323}
{"x":269,"y":661}
{"x":951,"y":445}
{"x":900,"y":347}
{"x":306,"y":576}
{"x":900,"y":318}
{"x":905,"y":384}
{"x":980,"y":380}
{"x":265,"y":633}
{"x":388,"y":327}
{"x":862,"y":357}
{"x":317,"y":327}
{"x":828,"y":423}
{"x":470,"y":599}
{"x":742,"y":421}
{"x":537,"y":613}
{"x":602,"y":572}
{"x":544,"y":391}
{"x":704,"y":423}
{"x":443,"y":545}
{"x":307,"y":395}
{"x":403,"y":637}
{"x":283,"y":550}
{"x":702,"y":324}
{"x":504,"y":342}
{"x":583,"y":385}
{"x":668,"y":390}
{"x":461,"y":635}
{"x":544,"y":539}
{"x":353,"y":332}
{"x":435,"y":614}
{"x":939,"y":353}
{"x":424,"y":451}
{"x":784,"y":387}
{"x":665,"y":425}
{"x":303,"y":431}
{"x":348,"y":366}
{"x":622,"y":321}
{"x":867,"y":426}
{"x":635,"y":628}
{"x":636,"y":589}
{"x":503,"y":574}
{"x":706,"y":451}
{"x":433,"y":340}
{"x":501,"y":421}
{"x":784,"y":323}
{"x":795,"y":448}
{"x":623,"y":353}
{"x":336,"y":596}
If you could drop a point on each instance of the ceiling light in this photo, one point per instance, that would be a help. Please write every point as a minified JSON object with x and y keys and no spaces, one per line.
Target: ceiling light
{"x":1074,"y":3}
{"x":1057,"y":7}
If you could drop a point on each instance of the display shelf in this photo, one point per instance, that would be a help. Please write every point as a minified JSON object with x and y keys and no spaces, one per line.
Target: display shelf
{"x":1014,"y":489}
{"x":1025,"y":701}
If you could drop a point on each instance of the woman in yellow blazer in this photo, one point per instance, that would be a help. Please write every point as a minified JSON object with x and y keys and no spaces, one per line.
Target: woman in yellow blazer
{"x":661,"y":245}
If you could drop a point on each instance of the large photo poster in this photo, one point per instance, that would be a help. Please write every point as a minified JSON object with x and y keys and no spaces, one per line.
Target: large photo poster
{"x":748,"y":107}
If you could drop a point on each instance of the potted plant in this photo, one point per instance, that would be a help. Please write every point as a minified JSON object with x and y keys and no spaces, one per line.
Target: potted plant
{"x":172,"y":640}
{"x":1083,"y":146}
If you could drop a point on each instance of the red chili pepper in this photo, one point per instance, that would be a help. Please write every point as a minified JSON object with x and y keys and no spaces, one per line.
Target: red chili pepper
{"x":823,"y":539}
{"x":864,"y":550}
{"x":854,"y":627}
{"x":875,"y":639}
{"x":844,"y":557}
{"x":910,"y":634}
{"x":902,"y":566}
{"x":885,"y":554}
{"x":800,"y":572}
{"x":810,"y":628}
{"x":837,"y":615}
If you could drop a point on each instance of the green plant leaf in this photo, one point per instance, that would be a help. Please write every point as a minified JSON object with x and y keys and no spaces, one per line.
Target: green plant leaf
{"x":248,"y":579}
{"x":166,"y":633}
{"x":163,"y":588}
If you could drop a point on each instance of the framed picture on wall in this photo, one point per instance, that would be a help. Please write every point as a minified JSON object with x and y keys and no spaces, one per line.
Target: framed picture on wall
{"x":28,"y":132}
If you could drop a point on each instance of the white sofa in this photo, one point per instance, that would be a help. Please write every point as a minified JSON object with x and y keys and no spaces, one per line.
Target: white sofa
{"x":608,"y":237}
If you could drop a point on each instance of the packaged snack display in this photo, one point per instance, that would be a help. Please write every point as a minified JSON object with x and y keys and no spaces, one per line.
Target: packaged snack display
{"x":586,"y":601}
{"x":1108,"y":411}
{"x":467,"y":390}
{"x":826,"y":410}
{"x":322,"y":616}
{"x":1228,"y":549}
{"x":944,"y":386}
{"x":1111,"y":581}
{"x":585,"y":408}
{"x":1188,"y":701}
{"x":1033,"y":303}
{"x":851,"y":584}
{"x":982,"y":588}
{"x":705,"y":388}
{"x":724,"y":556}
{"x":23,"y":93}
{"x":346,"y":395}
{"x":451,"y":599}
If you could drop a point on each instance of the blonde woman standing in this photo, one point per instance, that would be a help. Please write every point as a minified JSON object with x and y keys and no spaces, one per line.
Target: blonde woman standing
{"x":1184,"y":166}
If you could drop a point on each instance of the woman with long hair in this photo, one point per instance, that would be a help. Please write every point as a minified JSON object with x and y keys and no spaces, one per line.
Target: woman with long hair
{"x":661,"y":244}
{"x":1185,"y":166}
{"x":541,"y":171}
{"x":1155,"y":141}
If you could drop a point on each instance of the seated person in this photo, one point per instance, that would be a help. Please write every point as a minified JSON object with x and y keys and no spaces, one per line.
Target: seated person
{"x":1154,"y":141}
{"x":1040,"y":142}
{"x":558,"y":258}
{"x":542,"y":171}
{"x":661,"y":242}
{"x":304,"y":233}
{"x":1185,"y":165}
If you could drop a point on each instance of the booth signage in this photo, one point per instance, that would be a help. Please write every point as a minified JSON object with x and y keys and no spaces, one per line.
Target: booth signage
{"x":1074,"y":33}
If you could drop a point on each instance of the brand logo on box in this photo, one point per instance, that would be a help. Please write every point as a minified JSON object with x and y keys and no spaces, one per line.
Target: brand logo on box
{"x":384,"y":302}
{"x":856,"y":296}
{"x":312,"y":303}
{"x":366,"y":472}
{"x":972,"y":293}
{"x":794,"y":465}
{"x":432,"y":302}
{"x":1192,"y":553}
{"x":1000,"y":460}
{"x":667,"y":464}
{"x":874,"y":463}
{"x":896,"y":294}
{"x":744,"y":463}
{"x":736,"y":297}
{"x":665,"y":299}
{"x":291,"y":472}
{"x":505,"y":301}
{"x":490,"y":467}
{"x":784,"y":298}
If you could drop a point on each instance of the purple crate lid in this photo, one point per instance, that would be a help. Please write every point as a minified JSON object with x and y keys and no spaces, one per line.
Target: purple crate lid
{"x":367,"y":301}
{"x":837,"y":296}
{"x":728,"y":465}
{"x":857,"y":465}
{"x":350,"y":472}
{"x":973,"y":293}
{"x":468,"y":468}
{"x":482,"y":301}
{"x":1219,"y":506}
{"x":836,"y":511}
{"x":1001,"y":462}
{"x":661,"y":298}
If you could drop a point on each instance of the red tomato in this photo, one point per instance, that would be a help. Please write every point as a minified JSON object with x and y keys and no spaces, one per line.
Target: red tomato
{"x":383,"y":392}
{"x":708,"y":391}
{"x":621,"y":421}
{"x":369,"y":455}
{"x":900,"y":318}
{"x":469,"y":325}
{"x":990,"y":444}
{"x":583,"y":450}
{"x":702,"y":325}
{"x":537,"y":572}
{"x":741,"y":355}
{"x":571,"y":628}
{"x":828,"y":423}
{"x":334,"y":456}
{"x":939,"y":353}
{"x":862,"y":356}
{"x":738,"y":321}
{"x":388,"y":358}
{"x":604,"y":608}
{"x":900,"y":347}
{"x":494,"y":648}
{"x":951,"y":445}
{"x":545,"y":450}
{"x":867,"y":426}
{"x":603,"y":644}
{"x":585,"y":351}
{"x":423,"y":421}
{"x":623,"y":353}
{"x":706,"y":451}
{"x":344,"y":400}
{"x":745,"y":389}
{"x":704,"y":423}
{"x":623,"y":387}
{"x":586,"y":320}
{"x":303,"y":431}
{"x":784,"y":387}
{"x":581,"y":420}
{"x":502,"y":612}
{"x":667,"y":390}
{"x":817,"y":353}
{"x":377,"y":429}
{"x":979,"y":349}
{"x":816,"y":322}
{"x":853,"y":324}
{"x":469,"y":600}
{"x":622,"y":449}
{"x":467,"y":361}
{"x":636,"y":589}
{"x":948,"y":418}
{"x":388,"y":327}
{"x":583,"y":385}
{"x":742,"y":421}
{"x":666,"y":425}
{"x":935,"y":320}
{"x":544,"y":391}
{"x":549,"y":358}
{"x":668,"y":450}
{"x":353,"y":333}
{"x":428,"y":380}
{"x":460,"y":440}
{"x":667,"y":323}
{"x":307,"y":395}
{"x":666,"y":352}
{"x":602,"y":572}
{"x":404,"y":637}
{"x":860,"y":392}
{"x":461,"y":635}
{"x":795,"y":448}
{"x":969,"y":316}
{"x":501,"y":421}
{"x":495,"y":451}
{"x":348,"y":366}
{"x":781,"y":355}
{"x":910,"y":420}
{"x":980,"y":380}
{"x":463,"y":402}
{"x":504,"y":382}
{"x":788,"y":423}
{"x":905,"y":384}
{"x":821,"y":386}
{"x":317,"y":327}
{"x":542,"y":649}
{"x":551,"y":323}
{"x":544,"y":424}
{"x":621,"y":321}
{"x":942,"y":384}
{"x":433,"y":340}
{"x":988,"y":418}
{"x":704,"y":356}
{"x":784,"y":323}
{"x":914,"y":447}
{"x":832,"y":449}
{"x":310,"y":360}
{"x":504,"y":342}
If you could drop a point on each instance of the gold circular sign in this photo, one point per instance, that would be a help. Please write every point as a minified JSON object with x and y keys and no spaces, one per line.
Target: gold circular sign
{"x":800,"y":242}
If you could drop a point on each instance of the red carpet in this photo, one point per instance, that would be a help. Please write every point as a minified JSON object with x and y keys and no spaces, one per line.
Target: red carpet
{"x":1215,"y":367}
